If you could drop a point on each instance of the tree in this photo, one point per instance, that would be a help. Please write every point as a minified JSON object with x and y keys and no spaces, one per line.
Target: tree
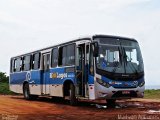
{"x":3,"y":77}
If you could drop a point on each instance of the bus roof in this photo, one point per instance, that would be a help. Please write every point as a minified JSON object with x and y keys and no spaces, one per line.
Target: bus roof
{"x":89,"y":37}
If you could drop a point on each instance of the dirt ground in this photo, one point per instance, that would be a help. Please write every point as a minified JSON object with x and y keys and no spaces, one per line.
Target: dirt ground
{"x":17,"y":108}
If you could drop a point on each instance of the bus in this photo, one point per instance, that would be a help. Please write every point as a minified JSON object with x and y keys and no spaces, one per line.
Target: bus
{"x":97,"y":67}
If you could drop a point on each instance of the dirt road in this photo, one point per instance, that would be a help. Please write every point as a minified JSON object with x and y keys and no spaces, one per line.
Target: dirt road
{"x":15,"y":107}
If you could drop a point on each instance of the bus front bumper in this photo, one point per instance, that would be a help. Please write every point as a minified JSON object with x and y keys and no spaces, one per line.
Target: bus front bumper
{"x":118,"y":93}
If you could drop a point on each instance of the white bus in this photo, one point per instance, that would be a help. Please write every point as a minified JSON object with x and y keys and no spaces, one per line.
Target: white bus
{"x":95,"y":67}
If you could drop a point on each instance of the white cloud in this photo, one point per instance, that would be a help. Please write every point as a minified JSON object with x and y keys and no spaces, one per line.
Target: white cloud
{"x":115,"y":5}
{"x":27,"y":25}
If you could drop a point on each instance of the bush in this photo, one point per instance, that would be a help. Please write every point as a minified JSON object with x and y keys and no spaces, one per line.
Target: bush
{"x":4,"y":84}
{"x":4,"y":78}
{"x":4,"y":89}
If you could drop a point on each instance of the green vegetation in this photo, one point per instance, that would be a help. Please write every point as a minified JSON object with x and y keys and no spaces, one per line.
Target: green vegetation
{"x":4,"y":84}
{"x":3,"y":77}
{"x":4,"y":88}
{"x":152,"y":94}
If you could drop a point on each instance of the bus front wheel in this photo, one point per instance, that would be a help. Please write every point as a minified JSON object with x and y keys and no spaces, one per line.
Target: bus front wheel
{"x":111,"y":103}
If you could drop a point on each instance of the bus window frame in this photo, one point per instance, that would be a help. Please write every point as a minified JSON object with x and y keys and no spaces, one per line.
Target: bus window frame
{"x":39,"y":61}
{"x":65,"y":45}
{"x":53,"y":57}
{"x":30,"y":66}
{"x":20,"y":64}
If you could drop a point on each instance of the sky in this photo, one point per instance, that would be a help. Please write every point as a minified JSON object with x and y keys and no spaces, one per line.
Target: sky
{"x":27,"y":25}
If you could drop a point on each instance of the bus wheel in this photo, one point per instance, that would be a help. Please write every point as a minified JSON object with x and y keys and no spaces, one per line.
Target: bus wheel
{"x":111,"y":103}
{"x":73,"y":100}
{"x":57,"y":99}
{"x":26,"y":93}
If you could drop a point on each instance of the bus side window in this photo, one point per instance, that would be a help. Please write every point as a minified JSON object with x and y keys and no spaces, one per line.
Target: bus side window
{"x":66,"y":55}
{"x":12,"y":65}
{"x":54,"y":57}
{"x":70,"y":57}
{"x":18,"y":63}
{"x":22,"y":66}
{"x":36,"y":61}
{"x":15,"y":65}
{"x":60,"y":56}
{"x":27,"y":62}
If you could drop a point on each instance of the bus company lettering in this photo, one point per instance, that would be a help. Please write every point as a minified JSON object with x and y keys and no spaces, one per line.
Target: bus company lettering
{"x":115,"y":83}
{"x":60,"y":75}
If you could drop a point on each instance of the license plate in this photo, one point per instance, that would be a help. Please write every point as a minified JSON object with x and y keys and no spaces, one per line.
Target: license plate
{"x":125,"y":92}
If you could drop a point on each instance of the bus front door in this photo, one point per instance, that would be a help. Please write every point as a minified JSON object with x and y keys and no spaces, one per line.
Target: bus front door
{"x":45,"y":74}
{"x":81,"y":70}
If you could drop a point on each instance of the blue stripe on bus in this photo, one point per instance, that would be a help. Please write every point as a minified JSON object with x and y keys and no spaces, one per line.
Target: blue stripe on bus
{"x":17,"y":78}
{"x":37,"y":77}
{"x":122,"y":83}
{"x":62,"y":79}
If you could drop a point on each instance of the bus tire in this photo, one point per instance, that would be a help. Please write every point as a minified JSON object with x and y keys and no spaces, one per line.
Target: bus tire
{"x":73,"y":100}
{"x":111,"y":103}
{"x":26,"y":93}
{"x":57,"y":99}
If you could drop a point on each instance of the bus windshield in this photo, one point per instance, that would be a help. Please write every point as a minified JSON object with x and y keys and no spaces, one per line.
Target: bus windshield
{"x":119,"y":56}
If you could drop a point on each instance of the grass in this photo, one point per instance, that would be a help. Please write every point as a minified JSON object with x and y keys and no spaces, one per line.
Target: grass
{"x":152,"y":94}
{"x":4,"y":89}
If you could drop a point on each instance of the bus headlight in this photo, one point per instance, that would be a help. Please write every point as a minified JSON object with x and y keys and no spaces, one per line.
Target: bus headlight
{"x":101,"y":82}
{"x":142,"y":84}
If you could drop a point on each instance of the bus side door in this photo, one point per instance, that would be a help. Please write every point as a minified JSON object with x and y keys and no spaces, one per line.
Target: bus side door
{"x":91,"y":88}
{"x":45,"y":74}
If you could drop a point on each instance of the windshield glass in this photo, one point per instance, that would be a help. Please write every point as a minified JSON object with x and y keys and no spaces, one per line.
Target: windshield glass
{"x":119,"y":56}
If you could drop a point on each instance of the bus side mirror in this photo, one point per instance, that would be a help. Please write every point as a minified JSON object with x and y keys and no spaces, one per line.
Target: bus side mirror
{"x":95,"y":48}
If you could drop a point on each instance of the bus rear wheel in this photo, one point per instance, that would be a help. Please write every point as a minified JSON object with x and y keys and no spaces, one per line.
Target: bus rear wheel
{"x":72,"y":97}
{"x":26,"y":93}
{"x":111,"y":103}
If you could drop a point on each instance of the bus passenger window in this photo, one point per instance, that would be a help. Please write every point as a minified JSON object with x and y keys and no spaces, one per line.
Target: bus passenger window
{"x":36,"y":61}
{"x":46,"y":60}
{"x":27,"y":61}
{"x":12,"y":65}
{"x":18,"y":64}
{"x":70,"y":57}
{"x":54,"y":57}
{"x":60,"y":57}
{"x":66,"y":55}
